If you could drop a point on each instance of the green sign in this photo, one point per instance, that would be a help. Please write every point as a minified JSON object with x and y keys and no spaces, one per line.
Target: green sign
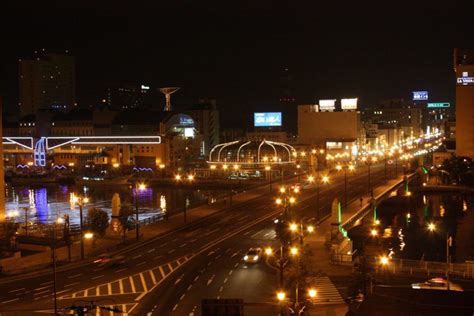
{"x":438,"y":105}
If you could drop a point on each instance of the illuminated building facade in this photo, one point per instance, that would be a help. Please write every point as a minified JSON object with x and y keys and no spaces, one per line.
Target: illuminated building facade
{"x":464,"y":68}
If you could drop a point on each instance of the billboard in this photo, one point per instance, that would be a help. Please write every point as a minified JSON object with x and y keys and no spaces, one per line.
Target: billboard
{"x":349,"y":104}
{"x":262,"y":119}
{"x":327,"y":105}
{"x":438,"y":105}
{"x":420,"y":95}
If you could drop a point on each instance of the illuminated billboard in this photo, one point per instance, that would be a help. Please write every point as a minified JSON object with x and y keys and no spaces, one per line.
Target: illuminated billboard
{"x":349,"y":104}
{"x":420,"y":95}
{"x":327,"y":105}
{"x":262,"y":119}
{"x":438,"y":105}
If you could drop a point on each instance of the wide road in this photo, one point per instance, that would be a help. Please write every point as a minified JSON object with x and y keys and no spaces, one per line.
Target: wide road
{"x":174,"y":272}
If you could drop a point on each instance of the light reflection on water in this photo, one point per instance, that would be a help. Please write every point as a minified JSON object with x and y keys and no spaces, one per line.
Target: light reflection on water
{"x":45,"y":204}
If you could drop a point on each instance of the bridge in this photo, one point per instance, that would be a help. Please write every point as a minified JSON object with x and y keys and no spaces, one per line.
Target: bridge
{"x":40,"y":147}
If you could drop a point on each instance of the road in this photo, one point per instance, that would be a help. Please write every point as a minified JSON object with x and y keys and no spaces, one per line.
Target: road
{"x":172,"y":273}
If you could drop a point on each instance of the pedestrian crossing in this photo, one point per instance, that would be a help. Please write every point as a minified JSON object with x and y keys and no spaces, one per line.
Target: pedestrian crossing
{"x":326,"y":291}
{"x":124,"y":310}
{"x":137,"y":283}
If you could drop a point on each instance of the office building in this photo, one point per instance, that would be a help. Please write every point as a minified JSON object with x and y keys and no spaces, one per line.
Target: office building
{"x":464,"y":69}
{"x":46,"y":82}
{"x":123,"y":96}
{"x":206,"y":118}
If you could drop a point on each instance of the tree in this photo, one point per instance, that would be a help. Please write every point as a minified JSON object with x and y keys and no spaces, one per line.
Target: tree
{"x":8,"y":230}
{"x":97,"y":221}
{"x":126,"y":219}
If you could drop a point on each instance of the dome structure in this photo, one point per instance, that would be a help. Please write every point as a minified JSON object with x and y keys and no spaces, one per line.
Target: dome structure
{"x":252,"y":152}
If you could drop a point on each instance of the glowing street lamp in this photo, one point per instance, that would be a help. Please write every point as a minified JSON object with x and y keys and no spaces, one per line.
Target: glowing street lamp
{"x":374,"y":232}
{"x":293,"y":227}
{"x":310,"y":229}
{"x":213,"y":167}
{"x":292,"y":200}
{"x":278,"y":201}
{"x":177,"y":177}
{"x":88,"y":235}
{"x":325,"y":179}
{"x":139,"y":187}
{"x":312,"y":293}
{"x":268,"y":251}
{"x":431,"y":227}
{"x":294,"y":251}
{"x":190,"y":178}
{"x":384,"y":260}
{"x":281,"y":296}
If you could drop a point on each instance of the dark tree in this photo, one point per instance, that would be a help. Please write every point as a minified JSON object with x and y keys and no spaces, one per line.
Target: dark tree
{"x":97,"y":221}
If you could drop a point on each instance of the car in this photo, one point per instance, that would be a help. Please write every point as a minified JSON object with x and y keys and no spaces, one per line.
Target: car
{"x":253,"y":255}
{"x":106,"y":260}
{"x":436,"y":284}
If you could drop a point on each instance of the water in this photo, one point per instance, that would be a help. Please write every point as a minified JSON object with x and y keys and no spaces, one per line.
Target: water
{"x":405,"y":225}
{"x":47,"y":203}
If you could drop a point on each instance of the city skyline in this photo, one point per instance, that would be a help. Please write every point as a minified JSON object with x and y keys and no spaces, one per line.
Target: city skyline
{"x":239,"y":56}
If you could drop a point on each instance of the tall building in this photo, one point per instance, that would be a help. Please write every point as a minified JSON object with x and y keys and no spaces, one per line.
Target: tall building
{"x":287,"y":101}
{"x":206,"y":118}
{"x":464,"y":68}
{"x":46,"y":82}
{"x":123,"y":96}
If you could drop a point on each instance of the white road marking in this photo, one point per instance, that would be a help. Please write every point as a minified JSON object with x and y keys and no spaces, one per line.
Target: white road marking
{"x":141,"y":263}
{"x":137,"y":256}
{"x":17,"y":290}
{"x":196,"y":278}
{"x":178,"y":279}
{"x":225,"y":280}
{"x":162,"y":272}
{"x":9,"y":301}
{"x":210,"y":279}
{"x":120,"y":270}
{"x":220,"y":289}
{"x":171,"y":251}
{"x":193,"y":240}
{"x":142,"y":278}
{"x":132,"y":284}
{"x":230,"y":272}
{"x":74,"y":276}
{"x":175,"y":307}
{"x":151,"y":250}
{"x":182,"y":296}
{"x":183,"y":245}
{"x":218,"y":256}
{"x":42,"y":292}
{"x":42,"y":288}
{"x":234,"y":254}
{"x":109,"y":288}
{"x":121,"y":286}
{"x":163,"y":245}
{"x":97,"y":277}
{"x":211,"y":253}
{"x":72,"y":284}
{"x":49,"y":282}
{"x":152,"y":275}
{"x":189,"y":287}
{"x":236,"y":265}
{"x":158,"y":257}
{"x":63,"y":291}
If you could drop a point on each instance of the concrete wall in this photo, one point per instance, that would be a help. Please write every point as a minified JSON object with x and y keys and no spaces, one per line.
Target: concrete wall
{"x":318,"y":127}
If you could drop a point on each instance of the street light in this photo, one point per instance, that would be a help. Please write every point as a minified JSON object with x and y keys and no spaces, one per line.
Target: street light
{"x":351,"y":168}
{"x":281,"y":296}
{"x":294,"y":251}
{"x":384,"y":260}
{"x":312,"y":293}
{"x":80,"y":200}
{"x":374,"y":232}
{"x":138,"y":188}
{"x":432,"y":228}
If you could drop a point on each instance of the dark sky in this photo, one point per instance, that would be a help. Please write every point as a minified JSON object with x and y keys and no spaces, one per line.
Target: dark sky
{"x":237,"y":54}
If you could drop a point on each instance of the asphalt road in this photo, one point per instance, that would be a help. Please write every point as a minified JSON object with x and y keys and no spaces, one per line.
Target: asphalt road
{"x":171,"y":274}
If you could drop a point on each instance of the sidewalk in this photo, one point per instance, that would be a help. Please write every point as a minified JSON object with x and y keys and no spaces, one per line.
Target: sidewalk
{"x":114,"y":243}
{"x":320,"y":259}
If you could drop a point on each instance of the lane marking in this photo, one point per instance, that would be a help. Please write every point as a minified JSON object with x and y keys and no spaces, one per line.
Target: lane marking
{"x":157,"y":257}
{"x":97,"y":277}
{"x":42,"y":288}
{"x":178,"y":279}
{"x":44,"y":283}
{"x":141,"y":263}
{"x":142,"y":278}
{"x":121,"y":270}
{"x":170,"y":267}
{"x":225,"y":280}
{"x":175,"y":307}
{"x":196,"y":278}
{"x":234,"y":254}
{"x":9,"y":301}
{"x":132,"y":284}
{"x":230,"y":272}
{"x":74,"y":276}
{"x":183,"y":245}
{"x":63,"y":291}
{"x":236,"y":265}
{"x":42,"y":292}
{"x":151,"y":250}
{"x":163,"y":245}
{"x":162,"y":272}
{"x":171,"y":251}
{"x":152,"y":275}
{"x":72,"y":284}
{"x":220,"y":289}
{"x":189,"y":287}
{"x":182,"y":296}
{"x":121,"y":286}
{"x":210,"y":279}
{"x":17,"y":290}
{"x":97,"y":291}
{"x":137,"y":256}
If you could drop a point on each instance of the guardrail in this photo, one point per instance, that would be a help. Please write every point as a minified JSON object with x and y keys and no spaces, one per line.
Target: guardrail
{"x":463,"y":270}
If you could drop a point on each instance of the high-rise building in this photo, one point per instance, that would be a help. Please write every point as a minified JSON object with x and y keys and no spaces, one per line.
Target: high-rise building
{"x":46,"y":82}
{"x":123,"y":96}
{"x":464,"y":68}
{"x":206,"y":118}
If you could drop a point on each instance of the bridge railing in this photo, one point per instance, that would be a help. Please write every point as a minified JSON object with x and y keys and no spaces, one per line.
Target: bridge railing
{"x":434,"y":268}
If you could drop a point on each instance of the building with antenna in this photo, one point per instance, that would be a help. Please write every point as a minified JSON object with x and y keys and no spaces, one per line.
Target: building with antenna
{"x":47,"y":81}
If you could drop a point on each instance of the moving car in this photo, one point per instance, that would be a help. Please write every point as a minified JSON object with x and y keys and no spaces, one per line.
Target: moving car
{"x":106,"y":260}
{"x":253,"y":255}
{"x":437,"y":284}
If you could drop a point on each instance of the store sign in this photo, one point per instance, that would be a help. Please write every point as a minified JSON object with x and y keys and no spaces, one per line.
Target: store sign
{"x":438,"y":105}
{"x":420,"y":95}
{"x":465,"y":81}
{"x":262,"y":119}
{"x":327,"y":105}
{"x":349,"y":104}
{"x":145,"y":87}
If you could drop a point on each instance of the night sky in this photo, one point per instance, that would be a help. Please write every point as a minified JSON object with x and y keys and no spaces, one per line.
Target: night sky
{"x":238,"y":54}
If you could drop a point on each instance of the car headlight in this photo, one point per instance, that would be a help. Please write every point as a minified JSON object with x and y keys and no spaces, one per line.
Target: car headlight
{"x":246,"y":258}
{"x":255,"y":258}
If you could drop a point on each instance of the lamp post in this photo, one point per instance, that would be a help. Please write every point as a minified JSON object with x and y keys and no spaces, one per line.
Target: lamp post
{"x":269,"y":252}
{"x":317,"y":180}
{"x":369,"y":162}
{"x":81,"y":200}
{"x":351,"y":168}
{"x":285,"y":200}
{"x":138,"y":187}
{"x":299,"y":228}
{"x":432,"y":227}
